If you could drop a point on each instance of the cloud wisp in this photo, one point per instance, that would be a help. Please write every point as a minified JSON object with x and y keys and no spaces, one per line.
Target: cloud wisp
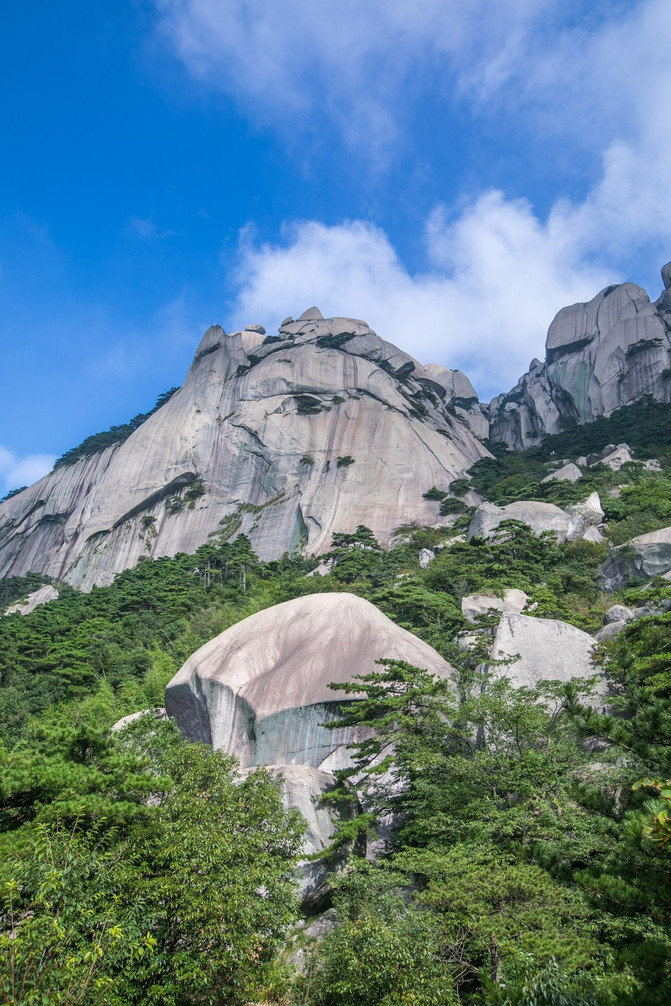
{"x":18,"y":471}
{"x":495,"y":270}
{"x":497,"y":275}
{"x":358,"y":65}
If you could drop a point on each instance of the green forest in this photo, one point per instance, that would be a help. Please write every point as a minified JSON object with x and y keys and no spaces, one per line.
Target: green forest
{"x":531,"y":859}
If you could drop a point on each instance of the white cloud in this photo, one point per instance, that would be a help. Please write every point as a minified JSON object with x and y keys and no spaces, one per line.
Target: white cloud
{"x":18,"y":471}
{"x":497,"y":276}
{"x":359,"y":64}
{"x":146,"y":229}
{"x":496,"y":270}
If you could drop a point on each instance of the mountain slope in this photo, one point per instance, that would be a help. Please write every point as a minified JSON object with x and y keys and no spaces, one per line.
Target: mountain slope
{"x":286,"y":439}
{"x":600,"y":356}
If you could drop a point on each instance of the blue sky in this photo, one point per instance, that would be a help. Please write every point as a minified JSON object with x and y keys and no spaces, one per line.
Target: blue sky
{"x":452,"y":173}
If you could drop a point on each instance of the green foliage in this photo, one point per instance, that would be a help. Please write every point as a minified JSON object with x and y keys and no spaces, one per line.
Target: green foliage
{"x":12,"y":492}
{"x":434,"y":494}
{"x":645,"y":426}
{"x":64,"y":649}
{"x":114,"y":435}
{"x":112,"y":898}
{"x":484,"y":781}
{"x":452,"y":506}
{"x":12,"y":588}
{"x":380,"y":954}
{"x":345,"y":461}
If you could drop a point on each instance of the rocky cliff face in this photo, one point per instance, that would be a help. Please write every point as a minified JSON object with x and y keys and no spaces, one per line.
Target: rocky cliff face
{"x":286,"y":439}
{"x":599,"y":356}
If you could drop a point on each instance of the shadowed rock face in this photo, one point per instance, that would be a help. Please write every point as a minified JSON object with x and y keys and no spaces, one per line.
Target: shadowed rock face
{"x":251,"y":443}
{"x":600,"y":356}
{"x":261,"y":691}
{"x":638,"y":560}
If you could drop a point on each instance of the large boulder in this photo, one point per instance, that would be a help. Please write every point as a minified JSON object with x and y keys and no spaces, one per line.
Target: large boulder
{"x":638,"y":560}
{"x":260,"y":690}
{"x":548,"y":650}
{"x":539,"y":516}
{"x":567,"y":524}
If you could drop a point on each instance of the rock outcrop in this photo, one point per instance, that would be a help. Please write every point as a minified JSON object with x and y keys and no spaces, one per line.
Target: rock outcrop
{"x":637,"y":560}
{"x":548,"y":650}
{"x":599,"y":356}
{"x":475,"y":605}
{"x":567,"y":525}
{"x":285,"y":439}
{"x":25,"y":605}
{"x":260,"y":690}
{"x":567,"y":473}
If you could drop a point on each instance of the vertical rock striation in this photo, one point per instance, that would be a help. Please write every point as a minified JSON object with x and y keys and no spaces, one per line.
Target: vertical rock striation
{"x":599,"y":356}
{"x":286,"y":439}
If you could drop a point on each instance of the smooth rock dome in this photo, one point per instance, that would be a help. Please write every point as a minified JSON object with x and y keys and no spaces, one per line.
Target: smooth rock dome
{"x":260,"y":690}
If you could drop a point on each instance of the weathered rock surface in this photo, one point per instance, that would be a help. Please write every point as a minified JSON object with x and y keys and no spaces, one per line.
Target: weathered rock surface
{"x":539,"y":516}
{"x":619,"y":613}
{"x":549,"y":650}
{"x":40,"y":596}
{"x":638,"y":560}
{"x":565,"y":524}
{"x":474,"y":605}
{"x":567,"y":473}
{"x":612,"y":457}
{"x":260,"y":689}
{"x":251,"y":443}
{"x":600,"y":356}
{"x":594,"y":535}
{"x":303,"y":788}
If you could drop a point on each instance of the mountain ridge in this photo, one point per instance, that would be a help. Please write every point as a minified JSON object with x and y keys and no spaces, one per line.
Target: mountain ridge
{"x":318,"y":429}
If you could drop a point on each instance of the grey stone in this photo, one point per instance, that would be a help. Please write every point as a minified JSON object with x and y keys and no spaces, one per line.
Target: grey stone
{"x":475,"y":605}
{"x":260,"y":690}
{"x":593,"y":534}
{"x":638,"y":560}
{"x":548,"y":650}
{"x":255,"y":328}
{"x":241,"y":427}
{"x":609,"y":631}
{"x":652,"y":465}
{"x":567,"y":473}
{"x":25,"y":605}
{"x":157,"y":713}
{"x":615,"y":460}
{"x":600,"y":356}
{"x":586,"y":514}
{"x":539,"y":516}
{"x":619,"y":613}
{"x":425,"y":557}
{"x":312,"y":314}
